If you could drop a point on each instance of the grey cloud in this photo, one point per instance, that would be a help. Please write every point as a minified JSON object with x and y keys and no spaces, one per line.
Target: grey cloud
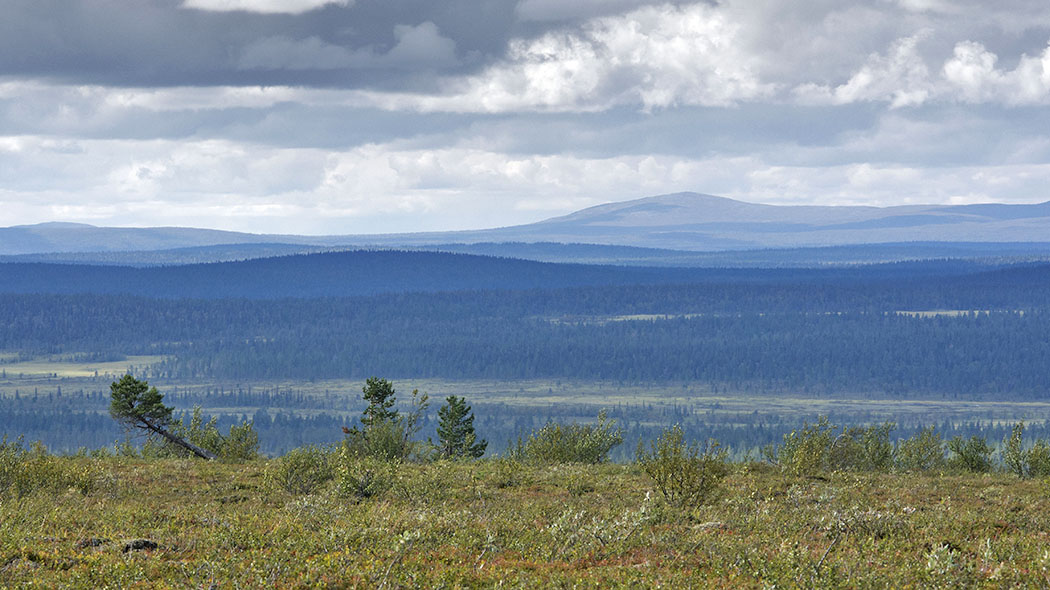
{"x":159,"y":43}
{"x":262,"y":6}
{"x":280,"y":53}
{"x":561,"y":10}
{"x":421,"y":45}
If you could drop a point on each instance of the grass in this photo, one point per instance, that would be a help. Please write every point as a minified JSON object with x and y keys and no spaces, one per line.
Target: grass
{"x":456,"y":525}
{"x":57,"y":368}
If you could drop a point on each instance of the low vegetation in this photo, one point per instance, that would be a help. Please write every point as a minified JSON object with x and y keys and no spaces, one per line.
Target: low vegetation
{"x":572,"y":443}
{"x":323,"y":517}
{"x":829,"y":507}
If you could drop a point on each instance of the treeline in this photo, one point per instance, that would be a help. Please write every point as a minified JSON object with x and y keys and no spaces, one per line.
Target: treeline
{"x":811,"y":331}
{"x":1000,"y":353}
{"x":365,"y":272}
{"x":995,"y":354}
{"x":282,"y":429}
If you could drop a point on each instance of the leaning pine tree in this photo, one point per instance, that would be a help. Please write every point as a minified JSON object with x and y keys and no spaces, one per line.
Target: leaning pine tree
{"x":135,"y":404}
{"x":456,"y":430}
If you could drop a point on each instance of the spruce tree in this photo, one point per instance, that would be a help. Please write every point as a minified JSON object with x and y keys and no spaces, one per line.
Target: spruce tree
{"x":456,"y":430}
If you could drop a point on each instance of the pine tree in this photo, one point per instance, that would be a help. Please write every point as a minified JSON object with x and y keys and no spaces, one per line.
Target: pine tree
{"x":135,"y":404}
{"x":456,"y":430}
{"x":379,"y":393}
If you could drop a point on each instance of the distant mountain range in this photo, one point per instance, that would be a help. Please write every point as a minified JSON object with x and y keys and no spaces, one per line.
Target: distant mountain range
{"x":676,"y":223}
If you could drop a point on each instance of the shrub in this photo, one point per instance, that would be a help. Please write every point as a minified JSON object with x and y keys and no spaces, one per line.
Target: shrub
{"x":301,"y":471}
{"x":686,"y":474}
{"x":388,"y":436}
{"x":862,"y":449}
{"x":973,"y":455}
{"x":573,"y":443}
{"x":507,"y":472}
{"x":878,"y":450}
{"x":384,"y":440}
{"x":363,"y":477}
{"x":242,"y":444}
{"x":806,"y":451}
{"x":922,"y":452}
{"x":24,"y":471}
{"x":1024,"y":463}
{"x":1039,"y":459}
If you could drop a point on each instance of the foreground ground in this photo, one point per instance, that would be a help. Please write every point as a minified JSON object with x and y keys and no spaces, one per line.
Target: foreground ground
{"x":500,"y":524}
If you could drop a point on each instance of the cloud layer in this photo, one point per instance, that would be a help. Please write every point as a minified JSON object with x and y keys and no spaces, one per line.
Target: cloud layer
{"x":321,"y":116}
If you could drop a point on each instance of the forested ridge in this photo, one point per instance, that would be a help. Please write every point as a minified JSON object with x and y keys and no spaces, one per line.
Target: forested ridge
{"x":373,"y":272}
{"x":819,"y":331}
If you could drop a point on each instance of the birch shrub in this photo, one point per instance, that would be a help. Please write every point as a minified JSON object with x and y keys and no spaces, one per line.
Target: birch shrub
{"x":685,"y":474}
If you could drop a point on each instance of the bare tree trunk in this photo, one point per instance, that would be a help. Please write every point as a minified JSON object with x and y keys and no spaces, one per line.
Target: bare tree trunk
{"x":202,"y":453}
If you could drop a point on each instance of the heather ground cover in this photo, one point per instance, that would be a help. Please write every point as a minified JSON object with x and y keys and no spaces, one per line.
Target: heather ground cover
{"x":125,"y":522}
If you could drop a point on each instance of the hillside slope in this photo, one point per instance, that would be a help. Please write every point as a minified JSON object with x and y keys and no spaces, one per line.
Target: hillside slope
{"x":680,"y":221}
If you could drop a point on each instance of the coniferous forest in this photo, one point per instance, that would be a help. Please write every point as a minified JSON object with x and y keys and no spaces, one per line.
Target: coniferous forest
{"x":224,"y":336}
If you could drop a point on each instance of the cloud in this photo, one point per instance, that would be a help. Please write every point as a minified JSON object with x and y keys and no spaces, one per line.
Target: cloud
{"x":305,"y":54}
{"x":416,"y":47}
{"x":653,"y":57}
{"x":899,"y":77}
{"x":420,"y":46}
{"x":560,"y":10}
{"x":263,"y":6}
{"x":399,"y":187}
{"x":972,"y":76}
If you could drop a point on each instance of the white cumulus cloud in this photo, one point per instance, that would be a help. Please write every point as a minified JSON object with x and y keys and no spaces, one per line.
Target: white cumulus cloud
{"x":652,"y":57}
{"x":972,"y":76}
{"x":899,"y":77}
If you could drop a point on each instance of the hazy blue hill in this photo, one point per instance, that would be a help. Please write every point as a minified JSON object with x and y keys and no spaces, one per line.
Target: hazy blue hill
{"x":172,"y":256}
{"x":370,"y":272}
{"x":359,"y":272}
{"x":73,"y":237}
{"x":680,"y":221}
{"x":994,"y":252}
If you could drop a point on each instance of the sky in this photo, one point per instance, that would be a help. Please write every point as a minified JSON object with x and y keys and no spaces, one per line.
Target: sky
{"x":373,"y":116}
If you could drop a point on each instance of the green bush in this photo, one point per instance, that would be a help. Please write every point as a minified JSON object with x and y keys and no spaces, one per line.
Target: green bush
{"x":25,"y":471}
{"x":686,"y":474}
{"x":362,"y":477}
{"x":862,"y":449}
{"x":572,"y":443}
{"x":806,"y":451}
{"x":973,"y":455}
{"x":922,"y":452}
{"x":1022,"y":462}
{"x":1015,"y":457}
{"x":1039,"y":459}
{"x":242,"y":443}
{"x":385,"y":440}
{"x":387,"y":435}
{"x":507,"y":472}
{"x":301,"y":471}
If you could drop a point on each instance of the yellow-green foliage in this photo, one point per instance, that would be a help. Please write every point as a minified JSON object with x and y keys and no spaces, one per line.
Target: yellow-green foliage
{"x":806,"y":451}
{"x":686,"y":474}
{"x":242,"y":443}
{"x":973,"y":454}
{"x":442,"y":525}
{"x":571,"y":443}
{"x":363,"y":476}
{"x":922,"y":452}
{"x":25,"y":471}
{"x":301,"y":471}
